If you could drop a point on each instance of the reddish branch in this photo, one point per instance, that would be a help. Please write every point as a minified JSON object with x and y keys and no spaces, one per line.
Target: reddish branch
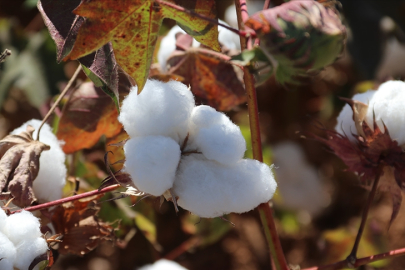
{"x":359,"y":262}
{"x":266,"y":213}
{"x":69,"y":199}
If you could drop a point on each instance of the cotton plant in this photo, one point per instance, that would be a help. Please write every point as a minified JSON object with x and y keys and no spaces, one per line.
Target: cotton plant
{"x":163,"y":264}
{"x":168,"y":44}
{"x":190,"y":154}
{"x":21,"y":240}
{"x":51,"y":177}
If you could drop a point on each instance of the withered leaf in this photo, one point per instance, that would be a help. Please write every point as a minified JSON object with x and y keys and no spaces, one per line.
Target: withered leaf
{"x":78,"y":223}
{"x":19,"y":166}
{"x":213,"y":80}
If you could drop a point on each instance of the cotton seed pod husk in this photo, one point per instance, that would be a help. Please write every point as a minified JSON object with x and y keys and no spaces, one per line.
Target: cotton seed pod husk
{"x":302,"y":36}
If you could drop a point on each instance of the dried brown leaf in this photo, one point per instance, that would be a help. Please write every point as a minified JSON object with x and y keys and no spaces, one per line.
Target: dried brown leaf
{"x":19,"y":166}
{"x":81,"y":229}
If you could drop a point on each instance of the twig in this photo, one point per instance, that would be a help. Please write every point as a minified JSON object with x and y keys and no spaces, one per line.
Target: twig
{"x":266,"y":4}
{"x":351,"y":259}
{"x":4,"y":55}
{"x":214,"y":21}
{"x":79,"y":68}
{"x":362,"y":261}
{"x":69,"y":199}
{"x":266,"y":213}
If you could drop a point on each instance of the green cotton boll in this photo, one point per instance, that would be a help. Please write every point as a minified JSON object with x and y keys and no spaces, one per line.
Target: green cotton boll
{"x":302,"y":36}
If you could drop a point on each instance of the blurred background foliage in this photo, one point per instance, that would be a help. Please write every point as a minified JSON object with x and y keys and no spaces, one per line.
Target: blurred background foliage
{"x":317,"y":204}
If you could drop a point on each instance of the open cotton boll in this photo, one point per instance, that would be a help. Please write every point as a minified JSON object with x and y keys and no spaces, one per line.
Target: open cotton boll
{"x":168,"y":43}
{"x":52,"y":170}
{"x":345,"y":124}
{"x":160,"y":109}
{"x":8,"y":253}
{"x":27,"y":252}
{"x":152,"y":162}
{"x":22,"y":227}
{"x":209,"y":189}
{"x":388,"y":105}
{"x":163,"y":264}
{"x":214,"y":134}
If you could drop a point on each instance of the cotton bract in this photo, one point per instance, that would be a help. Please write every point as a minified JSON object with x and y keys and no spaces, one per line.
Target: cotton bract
{"x":195,"y":152}
{"x":388,"y":107}
{"x":345,"y":124}
{"x":52,"y":170}
{"x":20,"y":241}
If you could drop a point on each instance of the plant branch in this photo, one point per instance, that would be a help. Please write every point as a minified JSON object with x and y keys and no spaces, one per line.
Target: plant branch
{"x":214,"y":21}
{"x":351,"y":259}
{"x":266,"y":4}
{"x":266,"y":213}
{"x":79,"y":68}
{"x":69,"y":199}
{"x":362,"y":261}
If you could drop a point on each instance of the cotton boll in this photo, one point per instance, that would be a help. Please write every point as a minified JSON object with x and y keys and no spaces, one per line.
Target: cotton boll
{"x":160,"y":109}
{"x":210,"y":189}
{"x":152,"y":162}
{"x":22,"y":227}
{"x":345,"y":124}
{"x":8,"y":253}
{"x":52,"y":170}
{"x":387,"y":104}
{"x":215,"y":135}
{"x":163,"y":264}
{"x":28,"y":251}
{"x":298,"y":182}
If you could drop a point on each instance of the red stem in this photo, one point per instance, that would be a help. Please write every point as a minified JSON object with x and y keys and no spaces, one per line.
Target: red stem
{"x":266,"y":213}
{"x":69,"y":199}
{"x":362,"y":261}
{"x":266,"y":4}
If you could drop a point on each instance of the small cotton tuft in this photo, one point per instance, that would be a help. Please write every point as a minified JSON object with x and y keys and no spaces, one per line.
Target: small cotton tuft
{"x":345,"y":124}
{"x":210,"y":189}
{"x":214,"y":134}
{"x":163,"y":264}
{"x":387,"y":105}
{"x":8,"y":253}
{"x":160,"y":109}
{"x":22,"y":227}
{"x":152,"y":162}
{"x":52,"y":170}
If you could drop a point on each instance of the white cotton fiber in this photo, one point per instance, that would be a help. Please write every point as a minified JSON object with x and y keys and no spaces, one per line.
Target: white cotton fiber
{"x":3,"y":218}
{"x":160,"y":109}
{"x":7,"y":253}
{"x":168,"y":43}
{"x":22,"y":227}
{"x":152,"y":162}
{"x":214,"y":134}
{"x":52,"y":170}
{"x":163,"y":264}
{"x":388,"y":106}
{"x":209,"y":189}
{"x":27,"y":252}
{"x":345,"y":124}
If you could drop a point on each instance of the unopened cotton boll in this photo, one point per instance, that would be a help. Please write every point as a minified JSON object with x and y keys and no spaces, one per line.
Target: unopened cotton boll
{"x":345,"y":123}
{"x":214,"y":134}
{"x":160,"y":109}
{"x":27,"y":252}
{"x":22,"y":227}
{"x":163,"y":264}
{"x":388,"y":107}
{"x":8,"y":253}
{"x":152,"y":162}
{"x":52,"y":170}
{"x":209,"y":189}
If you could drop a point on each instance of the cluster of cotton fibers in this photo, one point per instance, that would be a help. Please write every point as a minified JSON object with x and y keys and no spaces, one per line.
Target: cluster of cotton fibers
{"x":20,"y":240}
{"x":209,"y":176}
{"x":52,"y":170}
